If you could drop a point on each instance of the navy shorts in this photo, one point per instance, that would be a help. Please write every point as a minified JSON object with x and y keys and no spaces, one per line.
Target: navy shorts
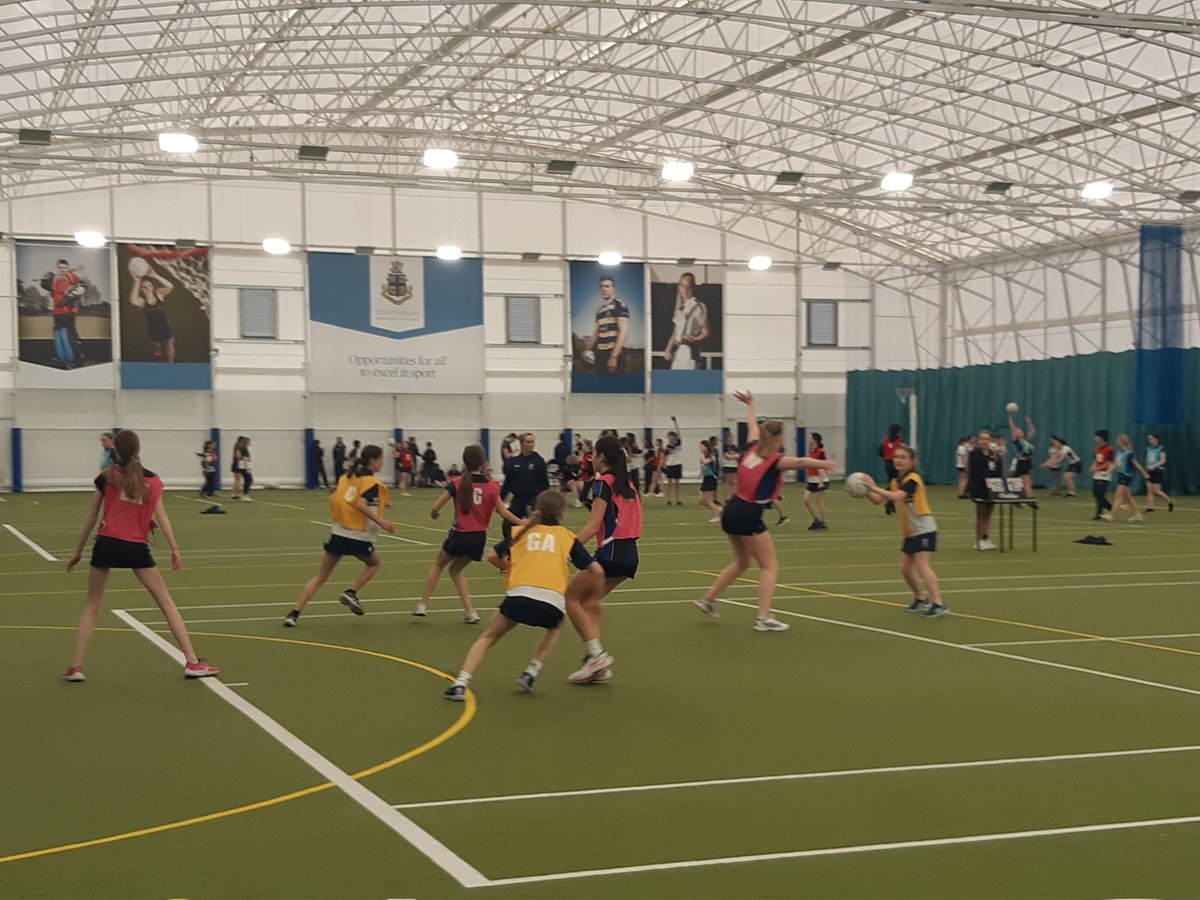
{"x":1125,"y":480}
{"x":344,"y":546}
{"x":672,"y":472}
{"x":619,"y":559}
{"x":919,"y":543}
{"x":535,"y":613}
{"x":815,"y":487}
{"x":468,"y":544}
{"x":114,"y":553}
{"x":708,"y":484}
{"x":1023,"y":467}
{"x":1076,"y":467}
{"x":742,"y":518}
{"x":1156,"y":476}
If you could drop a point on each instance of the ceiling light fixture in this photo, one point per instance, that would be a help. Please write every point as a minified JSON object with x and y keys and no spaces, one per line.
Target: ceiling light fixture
{"x":439,"y":158}
{"x":609,"y":258}
{"x":1096,"y":190}
{"x":896,"y":181}
{"x":277,"y":246}
{"x":177,"y":142}
{"x":91,"y":239}
{"x":678,"y":171}
{"x":449,"y":252}
{"x":759,"y":263}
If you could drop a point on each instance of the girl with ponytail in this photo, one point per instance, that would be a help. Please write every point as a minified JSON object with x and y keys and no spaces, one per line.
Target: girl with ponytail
{"x":131,"y":498}
{"x":616,"y":524}
{"x":476,"y":497}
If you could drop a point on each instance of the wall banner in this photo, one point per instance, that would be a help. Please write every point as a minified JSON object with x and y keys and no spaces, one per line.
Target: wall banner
{"x":687,"y":329}
{"x":395,"y":324}
{"x":608,"y":328}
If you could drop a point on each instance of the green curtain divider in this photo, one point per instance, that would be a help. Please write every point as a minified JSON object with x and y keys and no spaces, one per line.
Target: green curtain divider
{"x":1071,"y":397}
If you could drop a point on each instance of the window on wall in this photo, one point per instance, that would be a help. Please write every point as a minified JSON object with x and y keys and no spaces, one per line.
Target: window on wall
{"x":524,"y":320}
{"x":822,"y":323}
{"x":258,"y":311}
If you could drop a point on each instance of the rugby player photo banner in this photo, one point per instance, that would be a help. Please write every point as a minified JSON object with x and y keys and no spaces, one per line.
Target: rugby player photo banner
{"x":395,"y":324}
{"x":687,"y":334}
{"x":165,"y":295}
{"x":608,"y":328}
{"x":64,"y":315}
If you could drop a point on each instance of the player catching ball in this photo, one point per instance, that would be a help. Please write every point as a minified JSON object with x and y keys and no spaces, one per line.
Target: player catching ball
{"x":760,"y":480}
{"x":918,"y":527}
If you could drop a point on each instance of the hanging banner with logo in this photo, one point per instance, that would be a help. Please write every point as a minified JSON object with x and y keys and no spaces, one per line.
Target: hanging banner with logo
{"x":64,"y":315}
{"x":608,"y":328}
{"x":395,"y":324}
{"x":166,"y":316}
{"x":687,"y":329}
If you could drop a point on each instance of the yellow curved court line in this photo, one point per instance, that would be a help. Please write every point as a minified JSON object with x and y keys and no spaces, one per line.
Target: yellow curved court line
{"x":978,"y":618}
{"x":460,"y":723}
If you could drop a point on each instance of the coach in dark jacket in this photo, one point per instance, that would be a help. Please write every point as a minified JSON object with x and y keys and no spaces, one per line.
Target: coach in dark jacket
{"x":525,"y":477}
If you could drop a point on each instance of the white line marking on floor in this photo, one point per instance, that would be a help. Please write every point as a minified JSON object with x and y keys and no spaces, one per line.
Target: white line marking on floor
{"x":36,"y":547}
{"x":383,"y":534}
{"x":1087,"y":640}
{"x":970,"y":649}
{"x":236,"y":683}
{"x":434,"y":850}
{"x":805,"y":776}
{"x":862,"y":848}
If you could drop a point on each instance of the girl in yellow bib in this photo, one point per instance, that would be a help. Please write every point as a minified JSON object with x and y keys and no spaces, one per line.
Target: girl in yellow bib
{"x":534,"y":589}
{"x":355,"y":505}
{"x":919,"y":529}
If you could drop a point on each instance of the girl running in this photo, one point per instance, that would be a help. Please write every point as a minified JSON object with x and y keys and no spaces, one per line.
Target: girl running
{"x":616,"y":523}
{"x":356,"y":506}
{"x":476,"y":497}
{"x":1156,"y":469}
{"x":816,"y":483}
{"x":533,"y":590}
{"x":208,"y":468}
{"x":760,"y":478}
{"x":131,"y":497}
{"x":919,"y":529}
{"x":1126,"y":463}
{"x":1103,"y":462}
{"x":708,"y":479}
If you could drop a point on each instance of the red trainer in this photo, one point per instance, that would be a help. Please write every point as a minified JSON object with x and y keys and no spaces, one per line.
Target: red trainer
{"x":75,"y":673}
{"x":200,"y":669}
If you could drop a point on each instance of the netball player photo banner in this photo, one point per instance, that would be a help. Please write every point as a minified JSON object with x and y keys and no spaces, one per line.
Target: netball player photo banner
{"x":395,"y":324}
{"x":166,"y":314}
{"x":608,"y":328}
{"x":64,"y":316}
{"x":687,"y":333}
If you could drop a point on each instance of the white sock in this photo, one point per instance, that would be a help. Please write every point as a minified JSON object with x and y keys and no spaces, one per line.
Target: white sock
{"x":464,"y":678}
{"x":534,"y":668}
{"x":593,"y":648}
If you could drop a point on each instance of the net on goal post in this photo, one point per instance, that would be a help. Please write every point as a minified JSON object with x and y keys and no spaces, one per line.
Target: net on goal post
{"x":908,"y":397}
{"x":188,"y":266}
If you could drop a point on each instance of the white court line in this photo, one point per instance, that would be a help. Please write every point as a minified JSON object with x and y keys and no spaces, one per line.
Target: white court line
{"x":1099,"y":639}
{"x":384,"y":534}
{"x":36,"y":547}
{"x":433,"y":849}
{"x":971,"y":649}
{"x":843,"y":851}
{"x":805,"y":776}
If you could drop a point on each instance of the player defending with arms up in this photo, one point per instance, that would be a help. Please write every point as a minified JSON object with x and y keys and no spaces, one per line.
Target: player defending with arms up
{"x":533,"y":590}
{"x":919,"y":529}
{"x":760,"y":479}
{"x":356,"y":505}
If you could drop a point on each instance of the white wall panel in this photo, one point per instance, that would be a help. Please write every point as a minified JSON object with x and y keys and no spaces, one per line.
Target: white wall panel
{"x":161,"y":212}
{"x":427,"y":219}
{"x":677,"y":236}
{"x":61,"y":215}
{"x":249,"y":213}
{"x":519,"y":225}
{"x":348,"y":217}
{"x":593,"y":228}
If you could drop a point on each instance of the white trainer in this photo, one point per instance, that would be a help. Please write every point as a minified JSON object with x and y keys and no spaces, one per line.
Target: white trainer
{"x":592,"y":667}
{"x":419,"y":610}
{"x":471,"y":618}
{"x":770,"y":623}
{"x":985,"y":545}
{"x":707,"y":607}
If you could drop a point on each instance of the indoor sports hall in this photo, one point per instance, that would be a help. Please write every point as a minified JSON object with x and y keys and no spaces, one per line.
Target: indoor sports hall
{"x":714,"y":449}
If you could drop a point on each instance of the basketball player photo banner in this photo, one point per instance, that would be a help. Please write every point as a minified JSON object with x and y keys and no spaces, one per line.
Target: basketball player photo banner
{"x":687,"y":335}
{"x":166,"y":317}
{"x":608,"y":328}
{"x":64,"y":316}
{"x":395,"y":324}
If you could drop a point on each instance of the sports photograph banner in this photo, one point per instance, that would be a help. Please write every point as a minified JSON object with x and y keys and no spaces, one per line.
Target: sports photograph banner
{"x":166,"y":315}
{"x":64,"y":315}
{"x":687,"y":334}
{"x":395,"y":324}
{"x":608,"y":328}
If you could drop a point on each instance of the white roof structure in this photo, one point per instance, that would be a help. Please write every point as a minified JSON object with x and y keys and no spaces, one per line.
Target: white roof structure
{"x":1038,"y":95}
